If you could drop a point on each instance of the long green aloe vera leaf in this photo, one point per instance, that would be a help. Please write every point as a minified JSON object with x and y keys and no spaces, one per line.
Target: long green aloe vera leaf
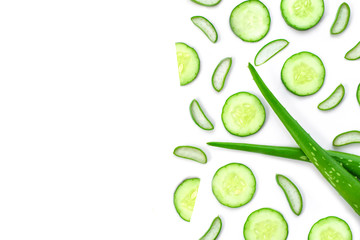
{"x":349,"y":161}
{"x":345,"y":184}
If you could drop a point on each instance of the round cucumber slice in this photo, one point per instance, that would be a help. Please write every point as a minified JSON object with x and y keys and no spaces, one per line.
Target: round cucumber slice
{"x":347,"y":138}
{"x":243,"y":114}
{"x":302,"y":14}
{"x":330,"y":228}
{"x":185,"y":197}
{"x":214,"y":230}
{"x":234,"y":185}
{"x":303,"y":73}
{"x":188,"y":63}
{"x":265,"y":224}
{"x":250,"y":20}
{"x":341,"y":20}
{"x":333,"y":100}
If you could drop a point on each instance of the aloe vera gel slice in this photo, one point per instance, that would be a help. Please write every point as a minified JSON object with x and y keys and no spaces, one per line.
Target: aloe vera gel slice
{"x":347,"y":138}
{"x":333,"y":100}
{"x":199,"y":116}
{"x":191,"y":153}
{"x":330,"y":228}
{"x":188,"y":63}
{"x":353,"y":53}
{"x":341,"y":20}
{"x":207,"y":3}
{"x":185,"y":197}
{"x":269,"y":50}
{"x":292,"y":193}
{"x":358,"y":94}
{"x":220,"y":74}
{"x":214,"y":230}
{"x":206,"y":27}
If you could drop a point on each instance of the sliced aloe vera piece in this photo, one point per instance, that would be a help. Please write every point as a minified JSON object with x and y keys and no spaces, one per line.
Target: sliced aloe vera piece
{"x":206,"y":27}
{"x":341,"y":20}
{"x":199,"y":116}
{"x":292,"y":193}
{"x":347,"y":138}
{"x":353,"y":53}
{"x":269,"y":50}
{"x":333,"y":100}
{"x":358,"y":94}
{"x":208,"y":3}
{"x":190,"y":152}
{"x":220,"y":74}
{"x":214,"y":230}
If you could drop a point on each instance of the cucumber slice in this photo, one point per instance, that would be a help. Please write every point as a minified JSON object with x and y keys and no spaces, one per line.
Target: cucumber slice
{"x":220,"y":73}
{"x":265,"y":224}
{"x":347,"y":138}
{"x":358,"y":94}
{"x":341,"y":20}
{"x":207,"y":3}
{"x":333,"y":100}
{"x":292,"y":193}
{"x":269,"y":50}
{"x":191,"y":153}
{"x":302,"y":14}
{"x":330,"y":228}
{"x":303,"y":73}
{"x":243,"y":114}
{"x":206,"y":27}
{"x":234,"y":185}
{"x":214,"y":230}
{"x":185,"y":197}
{"x":188,"y":63}
{"x":353,"y":53}
{"x":250,"y":20}
{"x":199,"y":116}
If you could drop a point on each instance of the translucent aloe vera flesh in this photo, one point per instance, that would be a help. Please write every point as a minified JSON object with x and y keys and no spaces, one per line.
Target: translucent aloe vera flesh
{"x":220,"y":74}
{"x":199,"y":116}
{"x":292,"y":193}
{"x":354,"y":53}
{"x":333,"y":100}
{"x":214,"y":230}
{"x":347,"y":138}
{"x":191,"y":153}
{"x":206,"y":27}
{"x":341,"y":20}
{"x":269,"y":50}
{"x":207,"y":3}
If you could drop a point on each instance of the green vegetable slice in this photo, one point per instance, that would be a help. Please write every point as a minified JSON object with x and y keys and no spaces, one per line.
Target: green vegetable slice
{"x":206,"y":27}
{"x":220,"y":73}
{"x":292,"y":193}
{"x":302,"y":14}
{"x":214,"y":230}
{"x":330,"y":228}
{"x":341,"y":20}
{"x":303,"y":73}
{"x":347,"y":138}
{"x":234,"y":185}
{"x":185,"y":197}
{"x":358,"y":94}
{"x":265,"y":224}
{"x":354,"y":53}
{"x":345,"y":184}
{"x":333,"y":100}
{"x":207,"y":3}
{"x":199,"y":116}
{"x":192,"y":153}
{"x":250,"y":21}
{"x":269,"y":50}
{"x":188,"y":63}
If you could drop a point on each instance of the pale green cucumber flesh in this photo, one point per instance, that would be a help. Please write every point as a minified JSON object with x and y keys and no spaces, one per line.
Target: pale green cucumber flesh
{"x":354,"y":53}
{"x":333,"y":100}
{"x":269,"y":50}
{"x":188,"y":63}
{"x":220,"y":73}
{"x":191,"y":153}
{"x":213,"y":232}
{"x":206,"y":27}
{"x":185,"y":197}
{"x":347,"y":138}
{"x":292,"y":193}
{"x":342,"y":19}
{"x":207,"y":3}
{"x":199,"y":117}
{"x":330,"y":228}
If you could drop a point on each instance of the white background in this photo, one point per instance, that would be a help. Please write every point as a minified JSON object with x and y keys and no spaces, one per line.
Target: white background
{"x":91,"y":110}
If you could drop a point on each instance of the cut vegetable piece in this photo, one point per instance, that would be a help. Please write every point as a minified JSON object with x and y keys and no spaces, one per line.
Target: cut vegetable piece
{"x":269,"y":50}
{"x":302,"y":14}
{"x":358,"y":94}
{"x":265,"y":224}
{"x":353,"y":53}
{"x":345,"y":184}
{"x":347,"y":138}
{"x":206,"y":27}
{"x":243,"y":114}
{"x":330,"y":228}
{"x":333,"y":100}
{"x":185,"y":197}
{"x":303,"y":73}
{"x":234,"y":185}
{"x":208,"y":3}
{"x":192,"y":153}
{"x":188,"y":63}
{"x":199,"y":116}
{"x":292,"y":193}
{"x":250,"y":21}
{"x":341,"y":20}
{"x":214,"y":230}
{"x":220,"y":74}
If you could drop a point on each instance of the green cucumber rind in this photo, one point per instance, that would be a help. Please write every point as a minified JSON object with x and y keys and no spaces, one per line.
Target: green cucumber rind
{"x":336,"y":18}
{"x":206,"y":5}
{"x":198,"y":69}
{"x":281,"y":39}
{"x":358,"y":94}
{"x":205,"y":19}
{"x":217,"y":218}
{"x":334,"y":106}
{"x":176,"y":207}
{"x":287,"y":196}
{"x":352,"y":59}
{"x":194,"y":119}
{"x":326,"y":218}
{"x":187,"y":146}
{"x":344,"y":133}
{"x":225,"y":75}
